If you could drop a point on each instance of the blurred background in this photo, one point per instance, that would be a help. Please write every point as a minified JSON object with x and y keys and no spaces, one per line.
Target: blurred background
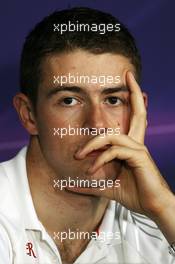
{"x":153,"y":25}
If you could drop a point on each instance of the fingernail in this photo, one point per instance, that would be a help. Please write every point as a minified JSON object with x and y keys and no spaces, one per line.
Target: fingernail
{"x":132,"y":75}
{"x":78,"y":154}
{"x":91,"y":170}
{"x":79,"y":151}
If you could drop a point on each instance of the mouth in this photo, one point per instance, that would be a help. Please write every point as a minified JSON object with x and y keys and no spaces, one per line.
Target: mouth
{"x":97,"y":152}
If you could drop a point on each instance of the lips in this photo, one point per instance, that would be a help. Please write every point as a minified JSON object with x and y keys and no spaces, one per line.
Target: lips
{"x":97,"y":152}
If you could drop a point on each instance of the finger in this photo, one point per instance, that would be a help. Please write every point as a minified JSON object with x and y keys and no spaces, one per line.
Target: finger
{"x":138,"y":115}
{"x":116,"y":152}
{"x":98,"y":142}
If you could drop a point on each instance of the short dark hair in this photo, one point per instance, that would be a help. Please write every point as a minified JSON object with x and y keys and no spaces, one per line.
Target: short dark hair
{"x":43,"y":41}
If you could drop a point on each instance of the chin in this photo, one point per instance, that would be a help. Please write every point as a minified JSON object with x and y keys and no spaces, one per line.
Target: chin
{"x":108,"y":171}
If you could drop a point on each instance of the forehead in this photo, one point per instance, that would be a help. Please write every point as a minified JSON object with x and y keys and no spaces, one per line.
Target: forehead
{"x":80,"y":62}
{"x":85,"y":61}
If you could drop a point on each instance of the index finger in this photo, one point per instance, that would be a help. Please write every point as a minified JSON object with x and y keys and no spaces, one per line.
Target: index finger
{"x":138,"y":120}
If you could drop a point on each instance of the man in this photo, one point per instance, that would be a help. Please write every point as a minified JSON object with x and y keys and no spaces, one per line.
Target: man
{"x":134,"y":211}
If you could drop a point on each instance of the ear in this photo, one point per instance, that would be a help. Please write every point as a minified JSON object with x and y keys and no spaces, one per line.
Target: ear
{"x":145,"y":98}
{"x":25,"y":112}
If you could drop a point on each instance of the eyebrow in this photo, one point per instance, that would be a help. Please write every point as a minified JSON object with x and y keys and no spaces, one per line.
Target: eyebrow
{"x":77,"y":89}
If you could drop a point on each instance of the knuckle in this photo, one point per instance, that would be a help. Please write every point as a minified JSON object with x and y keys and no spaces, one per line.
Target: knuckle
{"x":144,"y":151}
{"x":144,"y":148}
{"x":143,"y":114}
{"x":113,"y":149}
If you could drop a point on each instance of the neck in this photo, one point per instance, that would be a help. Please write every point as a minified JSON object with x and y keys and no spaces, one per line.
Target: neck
{"x":60,"y":210}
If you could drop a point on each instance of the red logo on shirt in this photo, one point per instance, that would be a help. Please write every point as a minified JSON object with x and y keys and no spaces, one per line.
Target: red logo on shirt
{"x":30,"y":252}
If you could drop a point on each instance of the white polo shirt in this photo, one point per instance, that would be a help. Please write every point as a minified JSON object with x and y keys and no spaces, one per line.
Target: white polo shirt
{"x":24,"y":240}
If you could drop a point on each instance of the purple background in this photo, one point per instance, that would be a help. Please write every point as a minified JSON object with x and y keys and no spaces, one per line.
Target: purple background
{"x":151,"y":22}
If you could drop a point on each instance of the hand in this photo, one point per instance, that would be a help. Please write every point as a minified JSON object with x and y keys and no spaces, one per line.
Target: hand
{"x":142,"y":187}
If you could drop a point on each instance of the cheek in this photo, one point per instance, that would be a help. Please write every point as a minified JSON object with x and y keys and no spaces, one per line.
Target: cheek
{"x":51,"y":117}
{"x":51,"y":123}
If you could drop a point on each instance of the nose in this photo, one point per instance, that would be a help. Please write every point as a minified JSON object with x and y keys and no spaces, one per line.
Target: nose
{"x":96,"y":117}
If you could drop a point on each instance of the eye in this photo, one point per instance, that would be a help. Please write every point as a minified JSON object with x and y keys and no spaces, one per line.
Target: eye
{"x":69,"y":101}
{"x":113,"y":100}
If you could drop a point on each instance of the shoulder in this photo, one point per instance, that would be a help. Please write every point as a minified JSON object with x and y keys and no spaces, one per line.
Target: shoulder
{"x":130,"y":221}
{"x":143,"y":235}
{"x":5,"y":246}
{"x":10,"y":218}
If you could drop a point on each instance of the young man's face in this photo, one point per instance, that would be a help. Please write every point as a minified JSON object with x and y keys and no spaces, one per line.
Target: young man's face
{"x":88,"y":106}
